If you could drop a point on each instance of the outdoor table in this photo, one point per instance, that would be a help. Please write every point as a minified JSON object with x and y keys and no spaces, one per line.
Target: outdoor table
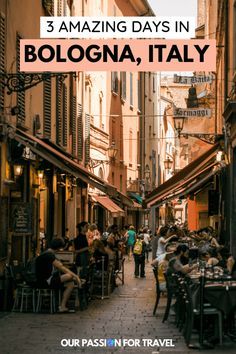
{"x":220,"y":293}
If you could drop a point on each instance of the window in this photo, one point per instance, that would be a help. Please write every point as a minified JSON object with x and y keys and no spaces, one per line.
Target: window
{"x":87,"y":138}
{"x":121,"y":183}
{"x":101,"y":126}
{"x":114,"y":82}
{"x":80,"y":132}
{"x":113,"y":178}
{"x":64,"y":115}
{"x":47,"y":106}
{"x":139,"y":94}
{"x":58,"y":111}
{"x":154,"y":82}
{"x":90,"y":100}
{"x":131,"y":89}
{"x":20,"y":95}
{"x":123,"y":85}
{"x":130,"y":146}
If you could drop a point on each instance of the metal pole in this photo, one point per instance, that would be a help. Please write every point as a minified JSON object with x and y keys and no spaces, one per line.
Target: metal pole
{"x":103,"y":259}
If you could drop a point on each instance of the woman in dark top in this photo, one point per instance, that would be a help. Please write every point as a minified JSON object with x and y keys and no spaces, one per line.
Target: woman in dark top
{"x":81,"y":249}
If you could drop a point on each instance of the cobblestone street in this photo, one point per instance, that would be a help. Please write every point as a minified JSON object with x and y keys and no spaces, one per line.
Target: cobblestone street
{"x":126,"y":314}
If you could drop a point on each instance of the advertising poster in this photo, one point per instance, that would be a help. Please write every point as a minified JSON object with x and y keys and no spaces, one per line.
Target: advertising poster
{"x":117,"y":176}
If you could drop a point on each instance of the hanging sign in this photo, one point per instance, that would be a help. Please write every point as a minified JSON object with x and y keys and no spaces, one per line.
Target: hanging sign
{"x":28,"y":154}
{"x":193,"y":80}
{"x":189,"y":112}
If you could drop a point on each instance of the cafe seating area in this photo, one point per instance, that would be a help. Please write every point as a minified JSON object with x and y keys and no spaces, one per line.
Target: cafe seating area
{"x":202,"y":299}
{"x":99,"y":284}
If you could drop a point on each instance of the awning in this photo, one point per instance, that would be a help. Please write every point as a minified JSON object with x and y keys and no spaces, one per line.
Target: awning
{"x":187,"y":180}
{"x":137,"y":205}
{"x":136,"y":196}
{"x":62,"y":161}
{"x":108,"y":204}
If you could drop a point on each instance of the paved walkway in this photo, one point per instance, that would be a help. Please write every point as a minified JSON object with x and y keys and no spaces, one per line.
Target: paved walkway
{"x":127,"y":314}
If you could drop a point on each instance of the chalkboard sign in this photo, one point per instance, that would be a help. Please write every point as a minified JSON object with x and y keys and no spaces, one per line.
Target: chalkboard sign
{"x":21,"y":217}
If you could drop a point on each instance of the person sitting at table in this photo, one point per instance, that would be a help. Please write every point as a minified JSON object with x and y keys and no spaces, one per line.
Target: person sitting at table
{"x":212,"y":257}
{"x":93,"y":234}
{"x":99,"y":253}
{"x":82,"y":250}
{"x":46,"y":264}
{"x":227,"y":261}
{"x":165,"y":237}
{"x":177,"y":264}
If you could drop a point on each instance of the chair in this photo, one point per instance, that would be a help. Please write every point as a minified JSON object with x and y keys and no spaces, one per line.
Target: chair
{"x":102,"y":281}
{"x":119,"y":273}
{"x":46,"y":298}
{"x":24,"y":298}
{"x":191,"y":311}
{"x":158,"y":290}
{"x":172,"y":290}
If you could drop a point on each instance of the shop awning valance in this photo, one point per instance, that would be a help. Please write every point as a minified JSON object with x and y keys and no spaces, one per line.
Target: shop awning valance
{"x":108,"y":204}
{"x":64,"y":162}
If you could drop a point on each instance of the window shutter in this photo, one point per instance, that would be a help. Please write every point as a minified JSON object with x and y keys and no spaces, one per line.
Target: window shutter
{"x":47,"y":106}
{"x":58,"y":111}
{"x":59,"y":8}
{"x":65,"y":8}
{"x":87,"y":138}
{"x":20,"y":95}
{"x":74,"y":125}
{"x":2,"y":56}
{"x":80,"y":132}
{"x":114,"y":81}
{"x":65,"y":114}
{"x":123,"y":85}
{"x":131,"y":90}
{"x":49,"y":6}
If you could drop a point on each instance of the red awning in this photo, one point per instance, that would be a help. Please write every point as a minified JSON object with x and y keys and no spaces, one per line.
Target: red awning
{"x":108,"y":204}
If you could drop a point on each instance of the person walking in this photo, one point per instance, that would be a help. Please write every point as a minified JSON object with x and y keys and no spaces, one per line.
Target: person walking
{"x":139,"y":256}
{"x":147,"y":240}
{"x":131,"y":241}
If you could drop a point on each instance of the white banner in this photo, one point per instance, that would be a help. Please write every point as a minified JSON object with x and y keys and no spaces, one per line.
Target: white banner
{"x":117,"y":27}
{"x":190,"y":112}
{"x":193,"y":80}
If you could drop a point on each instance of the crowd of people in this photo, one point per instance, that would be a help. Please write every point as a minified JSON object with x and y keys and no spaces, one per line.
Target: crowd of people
{"x":174,"y":249}
{"x":177,"y":250}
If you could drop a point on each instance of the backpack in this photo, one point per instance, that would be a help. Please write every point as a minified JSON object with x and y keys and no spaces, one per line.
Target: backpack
{"x":138,"y":248}
{"x":29,"y":273}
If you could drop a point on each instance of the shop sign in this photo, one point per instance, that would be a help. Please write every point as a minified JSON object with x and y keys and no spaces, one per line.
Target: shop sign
{"x":193,"y":80}
{"x":28,"y":154}
{"x":21,"y":218}
{"x":190,"y":112}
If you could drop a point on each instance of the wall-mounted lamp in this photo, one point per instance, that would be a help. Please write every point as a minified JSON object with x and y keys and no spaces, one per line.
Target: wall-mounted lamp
{"x":40,"y":174}
{"x":112,"y":151}
{"x":178,"y":124}
{"x":18,"y":169}
{"x":168,"y":163}
{"x":219,"y":156}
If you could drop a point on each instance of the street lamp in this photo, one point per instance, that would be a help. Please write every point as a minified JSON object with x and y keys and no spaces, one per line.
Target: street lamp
{"x":18,"y":169}
{"x":178,"y":124}
{"x":112,"y":151}
{"x":207,"y":138}
{"x":168,"y":163}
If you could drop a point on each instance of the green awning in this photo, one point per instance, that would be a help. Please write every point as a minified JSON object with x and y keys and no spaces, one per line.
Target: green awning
{"x":137,"y":197}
